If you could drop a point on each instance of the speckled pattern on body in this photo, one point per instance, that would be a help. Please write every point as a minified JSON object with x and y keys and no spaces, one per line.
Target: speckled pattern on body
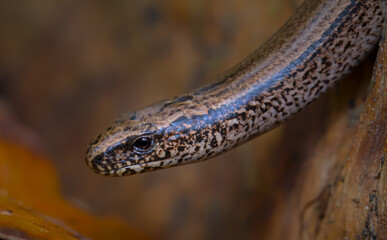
{"x":322,"y":42}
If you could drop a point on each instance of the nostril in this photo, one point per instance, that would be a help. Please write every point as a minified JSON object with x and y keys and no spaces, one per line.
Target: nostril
{"x":98,"y":157}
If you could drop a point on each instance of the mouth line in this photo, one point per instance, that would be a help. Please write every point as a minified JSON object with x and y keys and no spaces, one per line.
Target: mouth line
{"x":136,"y":168}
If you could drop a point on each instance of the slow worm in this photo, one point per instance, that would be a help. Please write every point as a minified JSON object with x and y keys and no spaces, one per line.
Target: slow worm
{"x":318,"y":45}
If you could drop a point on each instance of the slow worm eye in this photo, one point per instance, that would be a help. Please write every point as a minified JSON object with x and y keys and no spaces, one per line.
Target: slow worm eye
{"x":143,"y":144}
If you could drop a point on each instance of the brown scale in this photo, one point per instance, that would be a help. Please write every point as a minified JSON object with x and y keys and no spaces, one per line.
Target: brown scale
{"x":322,"y":42}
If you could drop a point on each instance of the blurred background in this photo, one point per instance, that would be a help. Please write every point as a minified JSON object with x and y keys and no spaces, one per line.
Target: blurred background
{"x":69,"y":68}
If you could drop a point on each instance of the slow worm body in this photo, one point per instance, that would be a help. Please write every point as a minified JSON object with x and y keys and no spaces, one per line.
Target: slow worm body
{"x":322,"y":42}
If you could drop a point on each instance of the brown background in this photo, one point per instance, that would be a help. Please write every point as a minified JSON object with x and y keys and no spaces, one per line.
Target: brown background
{"x":69,"y":68}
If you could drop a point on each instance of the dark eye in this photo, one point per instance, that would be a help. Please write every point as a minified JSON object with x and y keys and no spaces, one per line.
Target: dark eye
{"x":143,"y":144}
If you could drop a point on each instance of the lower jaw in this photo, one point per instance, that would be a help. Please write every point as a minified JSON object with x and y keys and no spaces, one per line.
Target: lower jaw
{"x":140,"y":168}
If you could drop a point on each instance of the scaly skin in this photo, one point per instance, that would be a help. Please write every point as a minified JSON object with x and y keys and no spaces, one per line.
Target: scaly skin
{"x":322,"y":42}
